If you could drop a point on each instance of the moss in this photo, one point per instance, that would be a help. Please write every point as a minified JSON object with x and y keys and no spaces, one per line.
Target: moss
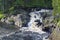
{"x":11,"y":20}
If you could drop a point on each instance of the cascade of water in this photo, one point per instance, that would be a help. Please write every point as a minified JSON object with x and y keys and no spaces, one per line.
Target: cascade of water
{"x":34,"y":19}
{"x":34,"y":16}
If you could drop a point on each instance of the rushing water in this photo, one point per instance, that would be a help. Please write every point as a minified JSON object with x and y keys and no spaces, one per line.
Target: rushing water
{"x":34,"y":29}
{"x":35,"y":19}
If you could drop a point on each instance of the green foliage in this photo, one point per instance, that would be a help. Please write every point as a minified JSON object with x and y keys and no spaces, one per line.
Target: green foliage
{"x":1,"y":15}
{"x":34,"y":3}
{"x":56,"y":6}
{"x":7,"y":6}
{"x":11,"y":10}
{"x":19,"y":2}
{"x":56,"y":11}
{"x":1,"y":12}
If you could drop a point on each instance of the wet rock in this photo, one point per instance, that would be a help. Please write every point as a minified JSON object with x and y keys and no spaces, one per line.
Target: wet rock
{"x":24,"y":36}
{"x":49,"y":27}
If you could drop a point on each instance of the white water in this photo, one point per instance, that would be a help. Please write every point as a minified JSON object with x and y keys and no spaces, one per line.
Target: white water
{"x":32,"y":24}
{"x":37,"y":15}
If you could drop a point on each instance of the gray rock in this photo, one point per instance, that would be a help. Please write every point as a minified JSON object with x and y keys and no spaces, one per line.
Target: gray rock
{"x":28,"y":36}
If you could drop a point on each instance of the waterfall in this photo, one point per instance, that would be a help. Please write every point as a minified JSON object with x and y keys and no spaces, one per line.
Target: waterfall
{"x":34,"y":20}
{"x":34,"y":16}
{"x":34,"y":29}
